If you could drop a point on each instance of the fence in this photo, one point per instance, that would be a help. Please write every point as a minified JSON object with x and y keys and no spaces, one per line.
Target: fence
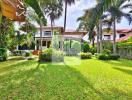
{"x":125,"y":53}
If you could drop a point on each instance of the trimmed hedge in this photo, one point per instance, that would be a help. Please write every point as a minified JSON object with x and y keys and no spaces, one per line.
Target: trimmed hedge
{"x":108,"y":57}
{"x":85,"y":55}
{"x":114,"y":57}
{"x":103,"y":57}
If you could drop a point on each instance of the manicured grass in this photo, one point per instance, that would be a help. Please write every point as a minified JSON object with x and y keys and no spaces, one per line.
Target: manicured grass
{"x":90,"y":80}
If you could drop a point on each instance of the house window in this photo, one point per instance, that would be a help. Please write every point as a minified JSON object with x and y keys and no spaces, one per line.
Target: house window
{"x":47,"y":33}
{"x":122,"y":35}
{"x":107,"y":37}
{"x":43,"y":43}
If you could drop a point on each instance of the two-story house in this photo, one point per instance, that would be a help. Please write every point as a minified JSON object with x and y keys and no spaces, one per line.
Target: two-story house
{"x":108,"y":36}
{"x":47,"y":36}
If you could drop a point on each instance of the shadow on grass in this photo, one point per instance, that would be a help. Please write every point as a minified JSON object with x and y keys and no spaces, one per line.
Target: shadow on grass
{"x":15,"y":67}
{"x":48,"y":81}
{"x":16,"y":58}
{"x":120,"y":63}
{"x":124,"y":70}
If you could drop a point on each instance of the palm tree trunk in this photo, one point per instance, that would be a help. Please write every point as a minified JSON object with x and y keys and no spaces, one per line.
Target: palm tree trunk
{"x":100,"y":33}
{"x":52,"y":27}
{"x":93,"y":41}
{"x":114,"y":37}
{"x":98,"y":44}
{"x":65,"y":15}
{"x":41,"y":32}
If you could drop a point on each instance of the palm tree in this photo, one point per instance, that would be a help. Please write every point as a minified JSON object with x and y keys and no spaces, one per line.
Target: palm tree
{"x":67,"y":2}
{"x":53,"y":10}
{"x":116,"y":13}
{"x":35,"y":5}
{"x":100,"y":8}
{"x":84,"y":20}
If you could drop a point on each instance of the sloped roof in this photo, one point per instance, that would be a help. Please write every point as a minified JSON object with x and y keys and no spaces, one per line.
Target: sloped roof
{"x":124,"y":30}
{"x":124,"y":38}
{"x":119,"y":31}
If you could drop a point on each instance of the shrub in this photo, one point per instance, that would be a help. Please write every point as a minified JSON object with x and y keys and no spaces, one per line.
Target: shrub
{"x":85,"y":55}
{"x":66,"y":45}
{"x":114,"y":57}
{"x":57,"y":56}
{"x":50,"y":54}
{"x":27,"y":54}
{"x":72,"y":48}
{"x":96,"y":54}
{"x":76,"y":46}
{"x":108,"y":45}
{"x":107,"y":51}
{"x":85,"y":47}
{"x":108,"y":57}
{"x":103,"y":57}
{"x":3,"y":54}
{"x":93,"y":50}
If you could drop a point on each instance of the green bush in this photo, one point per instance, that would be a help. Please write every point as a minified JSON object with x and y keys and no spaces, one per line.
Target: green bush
{"x":107,"y":51}
{"x":72,"y":48}
{"x":108,"y":45}
{"x":114,"y":57}
{"x":50,"y":54}
{"x":108,"y":57}
{"x":76,"y":46}
{"x":85,"y":55}
{"x":66,"y":45}
{"x":85,"y":47}
{"x":27,"y":54}
{"x":93,"y":50}
{"x":103,"y":57}
{"x":57,"y":56}
{"x":96,"y":54}
{"x":3,"y":54}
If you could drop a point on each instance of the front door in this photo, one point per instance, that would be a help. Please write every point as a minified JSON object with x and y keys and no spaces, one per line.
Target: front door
{"x":48,"y":44}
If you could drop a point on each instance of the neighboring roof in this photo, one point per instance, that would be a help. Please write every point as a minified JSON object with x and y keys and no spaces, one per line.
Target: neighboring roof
{"x":72,"y":37}
{"x":119,"y":31}
{"x":124,"y":38}
{"x":49,"y":26}
{"x":74,"y":32}
{"x":124,"y":30}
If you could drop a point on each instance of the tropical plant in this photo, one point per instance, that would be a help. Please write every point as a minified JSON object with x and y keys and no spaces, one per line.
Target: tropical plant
{"x":116,"y":14}
{"x":53,"y":9}
{"x":85,"y":55}
{"x":34,"y":4}
{"x":6,"y":35}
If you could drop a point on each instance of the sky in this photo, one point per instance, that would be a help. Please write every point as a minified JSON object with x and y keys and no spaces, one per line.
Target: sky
{"x":76,"y":10}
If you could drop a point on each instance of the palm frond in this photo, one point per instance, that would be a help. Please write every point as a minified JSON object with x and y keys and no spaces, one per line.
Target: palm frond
{"x":35,"y":5}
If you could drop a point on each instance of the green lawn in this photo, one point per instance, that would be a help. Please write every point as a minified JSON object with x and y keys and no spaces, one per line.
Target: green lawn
{"x":91,"y":80}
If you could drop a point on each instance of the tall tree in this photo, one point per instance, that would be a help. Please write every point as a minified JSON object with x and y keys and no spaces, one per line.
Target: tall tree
{"x":116,"y":13}
{"x":53,"y":10}
{"x":100,"y":8}
{"x":67,"y":2}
